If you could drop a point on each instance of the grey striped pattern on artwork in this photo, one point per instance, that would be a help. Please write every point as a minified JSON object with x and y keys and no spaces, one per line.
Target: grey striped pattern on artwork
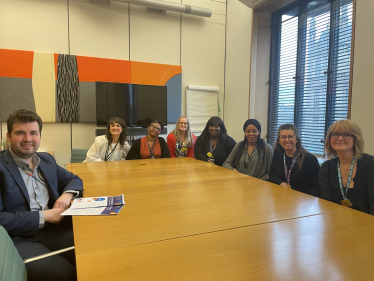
{"x":67,"y":88}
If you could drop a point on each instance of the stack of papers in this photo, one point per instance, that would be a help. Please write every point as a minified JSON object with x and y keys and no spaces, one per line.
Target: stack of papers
{"x":95,"y":206}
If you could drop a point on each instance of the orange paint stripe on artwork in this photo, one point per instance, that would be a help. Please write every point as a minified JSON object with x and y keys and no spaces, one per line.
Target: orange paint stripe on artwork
{"x":106,"y":70}
{"x":153,"y":73}
{"x":14,"y":63}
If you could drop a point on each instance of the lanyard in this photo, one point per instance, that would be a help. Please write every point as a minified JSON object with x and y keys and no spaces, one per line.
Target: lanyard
{"x":151,"y":151}
{"x":211,"y":147}
{"x":181,"y":150}
{"x":288,"y":173}
{"x":107,"y":154}
{"x":35,"y":178}
{"x":348,"y":180}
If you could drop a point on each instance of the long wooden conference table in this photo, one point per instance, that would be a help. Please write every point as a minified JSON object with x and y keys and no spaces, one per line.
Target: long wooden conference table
{"x":186,"y":219}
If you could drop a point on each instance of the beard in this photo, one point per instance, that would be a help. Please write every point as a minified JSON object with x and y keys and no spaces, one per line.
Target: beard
{"x":22,"y":152}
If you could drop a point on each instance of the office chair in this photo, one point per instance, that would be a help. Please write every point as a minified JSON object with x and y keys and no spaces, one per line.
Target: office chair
{"x":78,"y":155}
{"x":12,"y":267}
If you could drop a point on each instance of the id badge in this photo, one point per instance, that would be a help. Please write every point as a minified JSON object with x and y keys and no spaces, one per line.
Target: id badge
{"x":346,"y":203}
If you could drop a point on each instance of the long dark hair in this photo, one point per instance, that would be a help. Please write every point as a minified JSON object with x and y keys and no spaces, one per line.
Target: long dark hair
{"x":215,"y":120}
{"x":301,"y":151}
{"x":260,"y":142}
{"x":122,"y":136}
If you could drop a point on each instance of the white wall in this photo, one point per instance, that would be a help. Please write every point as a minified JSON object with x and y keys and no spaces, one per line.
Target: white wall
{"x":363,"y":72}
{"x":197,"y":44}
{"x":259,"y":97}
{"x":238,"y":64}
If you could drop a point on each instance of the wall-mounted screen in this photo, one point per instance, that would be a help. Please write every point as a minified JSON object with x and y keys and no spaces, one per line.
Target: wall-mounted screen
{"x":135,"y":104}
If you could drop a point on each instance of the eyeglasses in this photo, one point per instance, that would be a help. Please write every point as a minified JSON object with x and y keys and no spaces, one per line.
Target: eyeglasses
{"x":290,"y":137}
{"x":336,"y":135}
{"x":155,"y":128}
{"x":183,"y":123}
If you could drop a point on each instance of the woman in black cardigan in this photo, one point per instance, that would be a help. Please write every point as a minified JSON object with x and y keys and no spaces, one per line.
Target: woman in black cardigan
{"x":347,"y":179}
{"x":151,"y":146}
{"x":214,"y":145}
{"x":291,"y":157}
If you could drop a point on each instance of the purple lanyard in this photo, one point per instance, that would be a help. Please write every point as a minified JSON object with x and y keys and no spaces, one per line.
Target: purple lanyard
{"x":286,"y":171}
{"x":211,"y":148}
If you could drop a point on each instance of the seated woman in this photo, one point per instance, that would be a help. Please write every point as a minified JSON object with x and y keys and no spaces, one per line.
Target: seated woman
{"x":112,"y":146}
{"x":151,"y":146}
{"x":214,"y":145}
{"x":181,"y":141}
{"x":292,"y":165}
{"x":253,"y":155}
{"x":347,"y":179}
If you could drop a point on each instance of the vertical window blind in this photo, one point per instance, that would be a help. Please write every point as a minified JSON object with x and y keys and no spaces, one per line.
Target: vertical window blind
{"x":310,"y":68}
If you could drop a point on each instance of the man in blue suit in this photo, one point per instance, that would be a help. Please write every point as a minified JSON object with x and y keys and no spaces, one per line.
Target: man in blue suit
{"x":34,"y":191}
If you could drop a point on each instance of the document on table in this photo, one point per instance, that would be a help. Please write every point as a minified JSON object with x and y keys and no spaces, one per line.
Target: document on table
{"x":95,"y":206}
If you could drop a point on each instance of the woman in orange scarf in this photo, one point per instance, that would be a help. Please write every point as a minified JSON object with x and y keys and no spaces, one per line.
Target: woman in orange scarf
{"x":151,"y":146}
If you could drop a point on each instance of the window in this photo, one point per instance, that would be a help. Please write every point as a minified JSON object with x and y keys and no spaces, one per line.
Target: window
{"x":310,"y":68}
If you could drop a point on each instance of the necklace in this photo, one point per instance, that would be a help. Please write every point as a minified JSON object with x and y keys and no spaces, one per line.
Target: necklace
{"x":250,"y":149}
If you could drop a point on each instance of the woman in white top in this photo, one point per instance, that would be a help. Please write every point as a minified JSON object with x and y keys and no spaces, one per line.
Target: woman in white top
{"x":112,"y":146}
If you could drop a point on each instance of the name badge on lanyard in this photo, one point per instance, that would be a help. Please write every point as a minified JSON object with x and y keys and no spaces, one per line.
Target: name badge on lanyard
{"x":286,"y":171}
{"x":108,"y":154}
{"x":345,"y":202}
{"x":211,"y":149}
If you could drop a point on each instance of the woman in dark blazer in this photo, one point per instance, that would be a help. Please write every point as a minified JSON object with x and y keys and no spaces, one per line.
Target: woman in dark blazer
{"x":347,"y":179}
{"x":214,"y":145}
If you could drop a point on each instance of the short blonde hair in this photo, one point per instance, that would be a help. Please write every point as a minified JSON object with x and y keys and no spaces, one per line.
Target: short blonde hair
{"x":350,"y":127}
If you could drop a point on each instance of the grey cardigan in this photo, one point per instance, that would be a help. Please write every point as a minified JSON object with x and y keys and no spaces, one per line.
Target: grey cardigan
{"x":258,"y":168}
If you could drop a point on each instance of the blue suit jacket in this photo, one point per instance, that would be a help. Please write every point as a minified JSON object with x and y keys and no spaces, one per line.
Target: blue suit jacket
{"x":15,"y":214}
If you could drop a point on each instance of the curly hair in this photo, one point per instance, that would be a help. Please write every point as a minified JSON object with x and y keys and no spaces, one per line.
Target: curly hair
{"x":122,"y":136}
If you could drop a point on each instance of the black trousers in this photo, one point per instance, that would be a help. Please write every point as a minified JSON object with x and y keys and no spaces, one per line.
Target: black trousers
{"x":51,"y":238}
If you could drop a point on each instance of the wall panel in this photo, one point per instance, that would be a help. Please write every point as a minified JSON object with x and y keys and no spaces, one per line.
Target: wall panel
{"x":238,"y":46}
{"x":203,"y":56}
{"x":154,"y":38}
{"x":84,"y":134}
{"x":37,"y":25}
{"x":56,"y":137}
{"x":260,"y":64}
{"x":99,"y":31}
{"x":363,"y":73}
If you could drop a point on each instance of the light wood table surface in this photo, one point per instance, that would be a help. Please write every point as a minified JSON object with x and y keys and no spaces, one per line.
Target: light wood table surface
{"x":189,"y":220}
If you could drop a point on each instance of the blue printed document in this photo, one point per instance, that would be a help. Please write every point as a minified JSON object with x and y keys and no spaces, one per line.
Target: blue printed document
{"x":95,"y":206}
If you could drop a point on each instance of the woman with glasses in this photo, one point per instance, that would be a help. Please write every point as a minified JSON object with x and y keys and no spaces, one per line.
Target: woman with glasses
{"x":151,"y":146}
{"x":214,"y":145}
{"x":253,"y":155}
{"x":347,"y":179}
{"x":113,"y":146}
{"x":181,"y":141}
{"x":292,"y":165}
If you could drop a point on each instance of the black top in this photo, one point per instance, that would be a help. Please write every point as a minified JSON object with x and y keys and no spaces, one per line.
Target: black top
{"x":220,"y":153}
{"x":304,"y":180}
{"x":361,"y":195}
{"x":134,"y":152}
